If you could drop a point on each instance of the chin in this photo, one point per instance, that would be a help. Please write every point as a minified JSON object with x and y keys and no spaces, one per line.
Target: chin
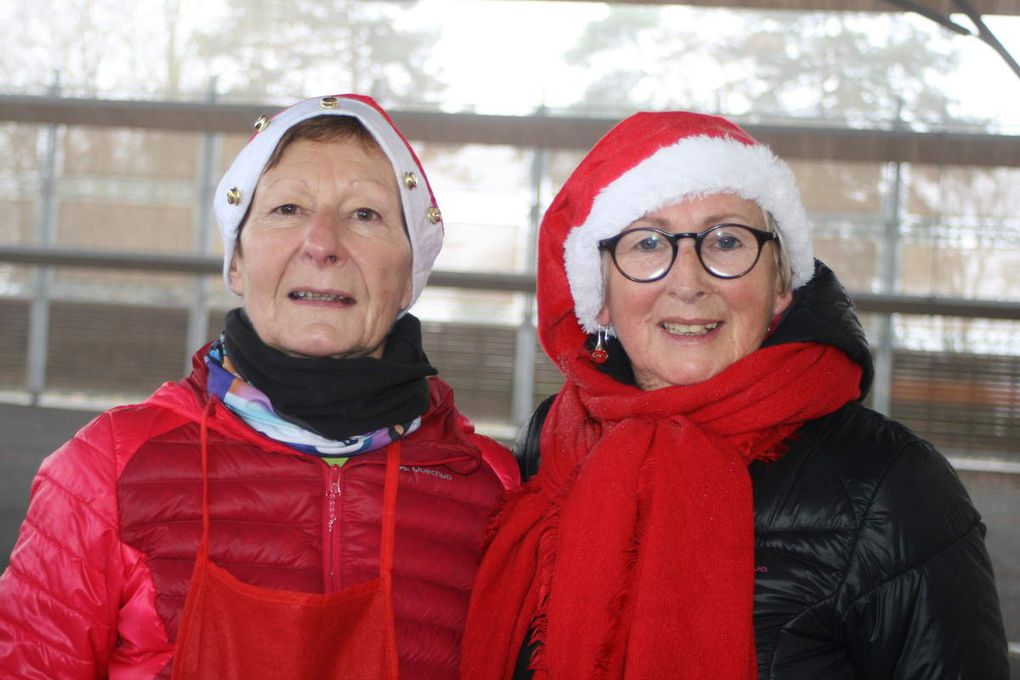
{"x":319,"y":348}
{"x":680,"y":377}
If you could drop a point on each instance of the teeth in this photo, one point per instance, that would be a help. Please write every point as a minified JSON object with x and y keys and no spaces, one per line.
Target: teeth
{"x":318,"y":297}
{"x":689,"y":329}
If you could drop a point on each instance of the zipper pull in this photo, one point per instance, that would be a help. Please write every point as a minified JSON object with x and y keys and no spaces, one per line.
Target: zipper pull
{"x":334,"y":493}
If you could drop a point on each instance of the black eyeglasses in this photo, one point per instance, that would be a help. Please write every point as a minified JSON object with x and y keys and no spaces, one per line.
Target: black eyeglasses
{"x":726,"y":251}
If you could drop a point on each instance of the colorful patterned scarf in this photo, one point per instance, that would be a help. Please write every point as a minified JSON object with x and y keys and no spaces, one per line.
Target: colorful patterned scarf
{"x":255,"y":408}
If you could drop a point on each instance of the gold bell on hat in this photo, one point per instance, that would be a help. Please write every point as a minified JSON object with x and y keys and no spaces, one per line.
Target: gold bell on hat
{"x":433,"y":215}
{"x":329,"y":103}
{"x":410,"y":180}
{"x":233,"y":196}
{"x":261,"y":123}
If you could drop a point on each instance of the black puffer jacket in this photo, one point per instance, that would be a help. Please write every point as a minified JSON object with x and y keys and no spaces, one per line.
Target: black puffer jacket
{"x":870,"y":557}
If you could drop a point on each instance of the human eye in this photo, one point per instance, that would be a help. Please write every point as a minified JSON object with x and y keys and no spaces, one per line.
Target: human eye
{"x":285,"y":209}
{"x":728,"y":238}
{"x":366,"y":215}
{"x":644,"y":241}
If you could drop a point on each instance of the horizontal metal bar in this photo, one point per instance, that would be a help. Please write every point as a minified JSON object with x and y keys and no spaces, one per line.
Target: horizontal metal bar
{"x":194,"y":264}
{"x":796,"y":140}
{"x":981,"y":465}
{"x":522,"y":283}
{"x":938,"y":306}
{"x":108,"y":259}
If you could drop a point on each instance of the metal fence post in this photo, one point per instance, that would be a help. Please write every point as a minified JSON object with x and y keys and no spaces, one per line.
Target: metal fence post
{"x":524,"y":352}
{"x":888,"y":283}
{"x":198,"y":312}
{"x":45,"y":235}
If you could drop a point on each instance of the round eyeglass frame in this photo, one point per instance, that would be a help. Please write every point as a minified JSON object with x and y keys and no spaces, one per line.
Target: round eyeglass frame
{"x":760,"y":235}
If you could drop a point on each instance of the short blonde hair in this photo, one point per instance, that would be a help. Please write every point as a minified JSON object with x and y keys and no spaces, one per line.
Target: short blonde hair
{"x":779,"y":256}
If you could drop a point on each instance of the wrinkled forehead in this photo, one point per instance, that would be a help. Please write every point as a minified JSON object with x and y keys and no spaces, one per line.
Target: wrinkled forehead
{"x":345,"y":159}
{"x":699,"y":210}
{"x":342,"y":130}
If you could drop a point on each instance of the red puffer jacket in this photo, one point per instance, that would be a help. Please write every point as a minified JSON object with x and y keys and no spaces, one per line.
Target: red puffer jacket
{"x":98,"y":577}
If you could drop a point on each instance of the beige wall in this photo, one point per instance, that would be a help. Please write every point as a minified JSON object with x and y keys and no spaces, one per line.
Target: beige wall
{"x":833,"y":187}
{"x":149,"y":154}
{"x":991,"y":193}
{"x":17,"y":221}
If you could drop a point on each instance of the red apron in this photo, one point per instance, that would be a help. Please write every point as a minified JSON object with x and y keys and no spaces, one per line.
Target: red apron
{"x":235,"y":631}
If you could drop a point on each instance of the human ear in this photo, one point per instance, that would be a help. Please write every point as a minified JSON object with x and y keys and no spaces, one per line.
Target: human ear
{"x":603,"y":318}
{"x":405,"y":300}
{"x":234,"y":275}
{"x":783,"y":301}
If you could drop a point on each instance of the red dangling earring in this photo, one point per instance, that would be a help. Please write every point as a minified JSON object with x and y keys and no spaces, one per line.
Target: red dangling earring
{"x":599,"y":353}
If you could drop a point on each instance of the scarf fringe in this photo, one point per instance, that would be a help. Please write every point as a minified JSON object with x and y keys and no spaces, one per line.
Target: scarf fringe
{"x":540,"y":624}
{"x":547,"y":551}
{"x":617,"y":606}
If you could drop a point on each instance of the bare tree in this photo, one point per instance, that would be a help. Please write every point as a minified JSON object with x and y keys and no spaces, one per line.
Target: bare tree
{"x":854,"y":68}
{"x":297,"y":48}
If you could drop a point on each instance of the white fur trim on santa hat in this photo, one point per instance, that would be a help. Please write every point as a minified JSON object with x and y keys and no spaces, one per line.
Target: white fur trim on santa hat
{"x":235,"y":190}
{"x":694,"y":166}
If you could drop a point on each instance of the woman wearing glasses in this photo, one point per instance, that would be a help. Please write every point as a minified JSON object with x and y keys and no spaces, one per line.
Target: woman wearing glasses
{"x":713,"y":500}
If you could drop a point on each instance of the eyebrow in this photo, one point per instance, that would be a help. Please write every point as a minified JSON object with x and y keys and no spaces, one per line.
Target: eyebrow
{"x":710,"y":221}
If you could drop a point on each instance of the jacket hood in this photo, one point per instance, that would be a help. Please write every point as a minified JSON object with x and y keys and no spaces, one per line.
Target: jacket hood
{"x":823,"y":312}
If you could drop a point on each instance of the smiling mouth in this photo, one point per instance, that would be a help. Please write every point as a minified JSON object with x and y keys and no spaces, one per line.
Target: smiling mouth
{"x":319,"y":297}
{"x":689,"y":330}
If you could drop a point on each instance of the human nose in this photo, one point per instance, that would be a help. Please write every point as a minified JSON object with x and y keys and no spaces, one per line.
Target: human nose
{"x":323,"y":242}
{"x":687,"y":278}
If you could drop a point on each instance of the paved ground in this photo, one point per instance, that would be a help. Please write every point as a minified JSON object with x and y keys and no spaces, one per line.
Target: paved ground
{"x":28,"y":434}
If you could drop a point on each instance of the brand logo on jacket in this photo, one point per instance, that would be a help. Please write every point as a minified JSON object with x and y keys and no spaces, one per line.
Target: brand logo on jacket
{"x":427,"y":471}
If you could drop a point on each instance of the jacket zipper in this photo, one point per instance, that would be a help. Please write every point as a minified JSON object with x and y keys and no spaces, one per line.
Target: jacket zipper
{"x":332,"y":542}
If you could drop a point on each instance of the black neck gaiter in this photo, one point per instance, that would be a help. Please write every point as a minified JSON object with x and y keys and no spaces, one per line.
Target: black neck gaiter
{"x":336,"y":398}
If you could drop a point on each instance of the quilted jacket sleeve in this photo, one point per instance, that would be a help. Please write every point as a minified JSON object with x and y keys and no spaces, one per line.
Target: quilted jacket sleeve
{"x":919,"y":600}
{"x":59,"y":597}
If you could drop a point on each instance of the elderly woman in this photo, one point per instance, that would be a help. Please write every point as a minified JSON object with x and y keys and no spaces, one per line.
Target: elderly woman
{"x":713,"y":500}
{"x":308,"y":503}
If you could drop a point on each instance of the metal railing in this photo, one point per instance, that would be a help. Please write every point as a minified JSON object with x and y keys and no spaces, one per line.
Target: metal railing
{"x":865,"y":302}
{"x":893,"y":146}
{"x":797,"y":140}
{"x":47,"y":258}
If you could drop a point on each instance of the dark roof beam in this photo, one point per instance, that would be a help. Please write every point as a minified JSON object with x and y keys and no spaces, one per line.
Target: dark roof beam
{"x":794,"y":140}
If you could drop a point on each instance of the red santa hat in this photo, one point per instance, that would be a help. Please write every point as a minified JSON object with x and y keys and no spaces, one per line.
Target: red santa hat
{"x":422,"y":218}
{"x":651,"y":160}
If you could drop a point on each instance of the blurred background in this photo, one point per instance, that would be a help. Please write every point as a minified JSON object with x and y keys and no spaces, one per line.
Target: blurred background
{"x":901,"y":121}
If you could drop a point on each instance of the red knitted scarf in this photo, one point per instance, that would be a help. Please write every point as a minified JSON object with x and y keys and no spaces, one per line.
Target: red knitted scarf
{"x":631,"y":553}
